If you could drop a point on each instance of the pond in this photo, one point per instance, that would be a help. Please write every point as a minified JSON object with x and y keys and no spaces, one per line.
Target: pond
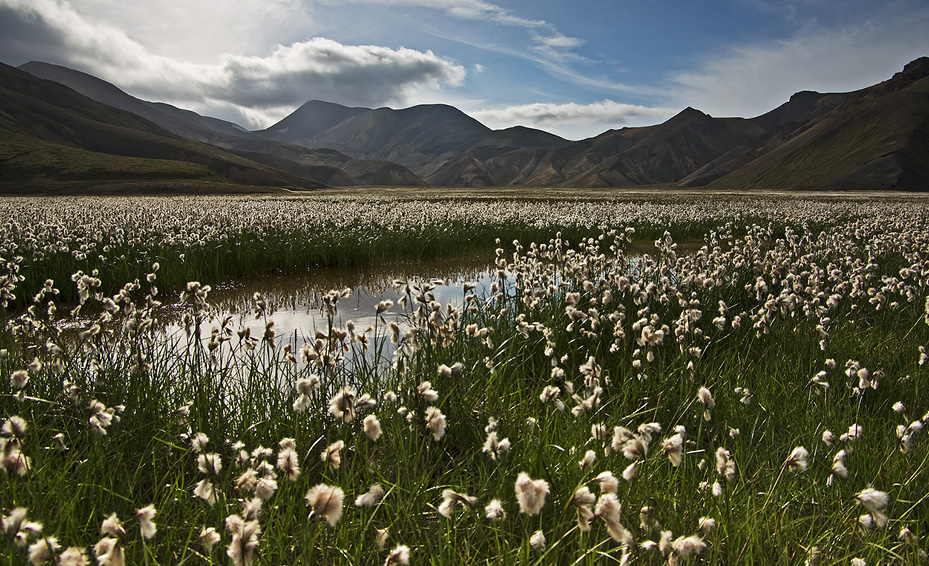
{"x":296,"y":302}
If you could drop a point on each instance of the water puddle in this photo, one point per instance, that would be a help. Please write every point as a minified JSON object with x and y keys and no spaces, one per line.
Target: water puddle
{"x":295,"y":301}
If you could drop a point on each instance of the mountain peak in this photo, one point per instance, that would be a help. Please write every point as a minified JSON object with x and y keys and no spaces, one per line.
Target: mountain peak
{"x":915,"y":69}
{"x":688,"y":114}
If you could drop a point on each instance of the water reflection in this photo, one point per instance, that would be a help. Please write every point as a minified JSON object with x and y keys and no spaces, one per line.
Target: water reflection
{"x":295,"y":301}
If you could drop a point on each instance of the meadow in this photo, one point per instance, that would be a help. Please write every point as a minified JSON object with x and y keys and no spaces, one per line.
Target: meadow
{"x":650,"y":379}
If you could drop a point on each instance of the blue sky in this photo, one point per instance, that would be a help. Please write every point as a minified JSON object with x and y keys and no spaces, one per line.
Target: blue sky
{"x":574,"y":68}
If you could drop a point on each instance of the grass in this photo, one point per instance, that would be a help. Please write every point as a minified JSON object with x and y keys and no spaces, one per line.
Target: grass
{"x":578,"y":307}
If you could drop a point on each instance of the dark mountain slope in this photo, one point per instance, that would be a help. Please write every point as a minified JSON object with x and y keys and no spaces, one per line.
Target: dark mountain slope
{"x":181,"y":122}
{"x":37,"y":115}
{"x":877,"y":139}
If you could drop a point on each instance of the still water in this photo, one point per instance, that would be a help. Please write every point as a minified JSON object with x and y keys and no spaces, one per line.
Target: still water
{"x":295,"y":301}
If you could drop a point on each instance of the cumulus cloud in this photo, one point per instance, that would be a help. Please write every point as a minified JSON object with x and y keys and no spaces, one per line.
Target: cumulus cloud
{"x":749,"y":80}
{"x":258,"y":88}
{"x":571,"y":120}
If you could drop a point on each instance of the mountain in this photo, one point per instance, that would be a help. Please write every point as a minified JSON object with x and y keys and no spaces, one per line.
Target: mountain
{"x":181,"y":122}
{"x":874,"y":138}
{"x":295,"y":160}
{"x":52,"y":134}
{"x":428,"y":139}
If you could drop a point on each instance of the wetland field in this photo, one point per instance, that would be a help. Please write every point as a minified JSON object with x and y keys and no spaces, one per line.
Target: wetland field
{"x":457,"y":377}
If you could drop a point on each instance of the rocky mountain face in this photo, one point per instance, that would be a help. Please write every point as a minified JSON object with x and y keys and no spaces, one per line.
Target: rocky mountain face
{"x":874,"y":138}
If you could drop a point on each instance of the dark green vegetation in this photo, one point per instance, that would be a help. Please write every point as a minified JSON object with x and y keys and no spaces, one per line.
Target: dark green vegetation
{"x":793,"y":317}
{"x":876,"y":138}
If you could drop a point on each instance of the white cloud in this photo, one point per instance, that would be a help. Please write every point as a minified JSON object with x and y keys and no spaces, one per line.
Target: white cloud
{"x":571,"y":120}
{"x":545,"y":45}
{"x":256,"y":87}
{"x":750,"y":80}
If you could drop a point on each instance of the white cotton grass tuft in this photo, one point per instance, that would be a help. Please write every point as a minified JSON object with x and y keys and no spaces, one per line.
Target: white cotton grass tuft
{"x":73,"y":556}
{"x":43,"y":550}
{"x":797,"y":461}
{"x":146,"y":516}
{"x":495,"y":448}
{"x":332,"y":455}
{"x":588,"y":460}
{"x":371,"y":497}
{"x":435,"y":423}
{"x":673,"y":446}
{"x":426,"y":391}
{"x":607,"y":482}
{"x":706,"y":399}
{"x":204,"y":490}
{"x":530,"y":494}
{"x":631,"y":470}
{"x":305,"y":387}
{"x":208,"y":538}
{"x":15,"y":427}
{"x":19,"y":379}
{"x":583,"y":501}
{"x":244,"y":541}
{"x":198,"y":442}
{"x":325,"y":501}
{"x":380,"y":537}
{"x":342,"y":404}
{"x":209,"y":464}
{"x":113,"y":527}
{"x":537,"y":540}
{"x":399,"y":555}
{"x":372,"y":428}
{"x":838,"y":467}
{"x":451,"y":500}
{"x":265,"y":488}
{"x":251,"y":509}
{"x":288,"y":462}
{"x":682,"y":547}
{"x":608,"y":509}
{"x":109,"y":552}
{"x":872,"y":499}
{"x":725,"y":465}
{"x":494,"y":510}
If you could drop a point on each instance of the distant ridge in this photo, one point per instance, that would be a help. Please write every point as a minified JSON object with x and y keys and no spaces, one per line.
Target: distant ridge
{"x":872,"y":139}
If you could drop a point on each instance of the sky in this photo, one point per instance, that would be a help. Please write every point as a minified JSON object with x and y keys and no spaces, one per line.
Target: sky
{"x":575,"y":68}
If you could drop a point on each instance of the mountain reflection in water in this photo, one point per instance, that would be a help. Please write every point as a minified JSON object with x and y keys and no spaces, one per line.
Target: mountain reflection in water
{"x":295,"y":301}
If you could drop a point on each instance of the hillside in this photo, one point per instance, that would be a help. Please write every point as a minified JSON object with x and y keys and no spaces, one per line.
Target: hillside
{"x":292,"y":159}
{"x":53,"y":134}
{"x":877,"y":139}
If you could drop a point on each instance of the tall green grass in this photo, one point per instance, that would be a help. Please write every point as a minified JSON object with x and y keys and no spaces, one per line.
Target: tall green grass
{"x":175,"y":386}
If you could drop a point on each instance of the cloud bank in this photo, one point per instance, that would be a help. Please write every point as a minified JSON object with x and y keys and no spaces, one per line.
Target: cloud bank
{"x":252,"y":90}
{"x":571,"y":120}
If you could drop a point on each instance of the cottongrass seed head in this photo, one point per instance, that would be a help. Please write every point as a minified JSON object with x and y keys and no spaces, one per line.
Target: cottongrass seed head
{"x":399,"y":555}
{"x":530,"y":494}
{"x":146,"y":523}
{"x":325,"y":501}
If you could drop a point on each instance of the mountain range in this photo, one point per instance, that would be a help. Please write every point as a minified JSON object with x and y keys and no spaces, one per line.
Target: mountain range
{"x":61,"y":129}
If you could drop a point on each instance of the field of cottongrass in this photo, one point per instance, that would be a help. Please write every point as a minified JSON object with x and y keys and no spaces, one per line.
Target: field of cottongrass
{"x":754,"y":395}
